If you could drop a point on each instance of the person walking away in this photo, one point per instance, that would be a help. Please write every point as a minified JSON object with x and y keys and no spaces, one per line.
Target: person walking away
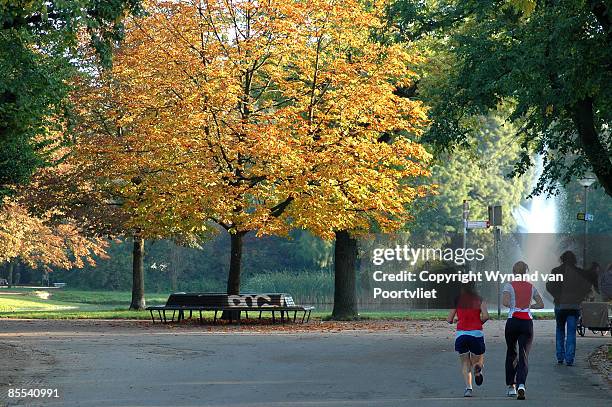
{"x":471,"y":313}
{"x":605,"y":284}
{"x":567,"y":296}
{"x":519,"y":296}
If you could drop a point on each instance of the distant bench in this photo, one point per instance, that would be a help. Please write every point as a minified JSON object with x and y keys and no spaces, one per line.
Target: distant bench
{"x":179,"y":303}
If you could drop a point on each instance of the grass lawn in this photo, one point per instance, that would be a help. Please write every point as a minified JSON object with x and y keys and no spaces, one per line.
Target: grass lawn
{"x":31,"y":303}
{"x":114,"y":298}
{"x":60,"y":303}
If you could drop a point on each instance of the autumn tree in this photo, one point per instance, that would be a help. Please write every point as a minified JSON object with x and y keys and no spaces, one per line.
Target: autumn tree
{"x":186,"y":145}
{"x":360,"y":132}
{"x":73,"y":190}
{"x":39,"y":242}
{"x":259,"y":117}
{"x":82,"y":188}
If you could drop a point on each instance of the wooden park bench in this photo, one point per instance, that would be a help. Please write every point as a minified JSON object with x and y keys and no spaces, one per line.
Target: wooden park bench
{"x":179,"y":303}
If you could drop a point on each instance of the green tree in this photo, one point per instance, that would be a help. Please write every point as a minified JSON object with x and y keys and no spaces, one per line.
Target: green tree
{"x":571,"y":202}
{"x":478,"y":174}
{"x":38,"y":54}
{"x":551,"y":61}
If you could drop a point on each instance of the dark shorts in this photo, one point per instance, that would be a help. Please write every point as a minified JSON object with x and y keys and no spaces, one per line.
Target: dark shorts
{"x":469,"y":343}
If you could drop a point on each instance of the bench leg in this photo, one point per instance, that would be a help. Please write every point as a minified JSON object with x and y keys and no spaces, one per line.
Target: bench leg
{"x":174,"y":312}
{"x":260,"y":315}
{"x":246,"y":314}
{"x":304,"y":316}
{"x":201,"y":321}
{"x":190,"y":313}
{"x":273,"y":318}
{"x":308,"y":319}
{"x":152,"y":319}
{"x":215,"y":319}
{"x":165,"y":319}
{"x":282,"y":317}
{"x":160,"y":316}
{"x":294,"y":315}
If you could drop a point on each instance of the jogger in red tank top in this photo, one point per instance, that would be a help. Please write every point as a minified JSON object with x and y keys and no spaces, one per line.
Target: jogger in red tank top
{"x":518,"y":297}
{"x":471,"y":312}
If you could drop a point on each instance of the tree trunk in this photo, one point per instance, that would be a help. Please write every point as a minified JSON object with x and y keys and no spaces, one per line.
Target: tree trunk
{"x":9,"y":273}
{"x":233,"y":279}
{"x":174,"y":267}
{"x":594,"y":150}
{"x":138,"y":299}
{"x":345,"y":293}
{"x":17,"y":273}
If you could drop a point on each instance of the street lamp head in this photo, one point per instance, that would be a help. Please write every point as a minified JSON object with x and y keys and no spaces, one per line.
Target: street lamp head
{"x":587,"y":181}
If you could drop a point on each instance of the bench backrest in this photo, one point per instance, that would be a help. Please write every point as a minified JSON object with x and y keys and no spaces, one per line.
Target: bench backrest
{"x":224,"y":300}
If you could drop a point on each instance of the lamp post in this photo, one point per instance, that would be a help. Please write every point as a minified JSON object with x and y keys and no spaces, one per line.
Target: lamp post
{"x":466,"y":215}
{"x":586,"y":182}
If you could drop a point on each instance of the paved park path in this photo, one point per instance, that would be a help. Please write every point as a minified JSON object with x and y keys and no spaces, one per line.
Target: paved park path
{"x":402,"y":364}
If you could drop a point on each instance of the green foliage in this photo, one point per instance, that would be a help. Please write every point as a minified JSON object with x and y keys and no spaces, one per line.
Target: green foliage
{"x":38,"y":57}
{"x":32,"y":91}
{"x":571,"y":201}
{"x":56,"y":23}
{"x":548,"y":61}
{"x":170,"y":267}
{"x":302,"y":285}
{"x":478,"y":174}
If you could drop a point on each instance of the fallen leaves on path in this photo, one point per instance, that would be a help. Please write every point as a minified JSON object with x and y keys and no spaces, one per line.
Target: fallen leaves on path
{"x":601,"y":362}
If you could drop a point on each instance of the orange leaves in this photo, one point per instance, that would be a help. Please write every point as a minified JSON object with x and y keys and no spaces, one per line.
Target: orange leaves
{"x":38,"y":243}
{"x":257,"y":115}
{"x":343,"y":104}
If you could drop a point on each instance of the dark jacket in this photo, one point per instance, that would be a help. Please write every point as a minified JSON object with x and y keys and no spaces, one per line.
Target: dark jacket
{"x":569,"y":293}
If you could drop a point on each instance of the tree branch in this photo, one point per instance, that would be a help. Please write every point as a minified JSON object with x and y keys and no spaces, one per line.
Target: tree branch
{"x":594,"y":150}
{"x":278,"y":210}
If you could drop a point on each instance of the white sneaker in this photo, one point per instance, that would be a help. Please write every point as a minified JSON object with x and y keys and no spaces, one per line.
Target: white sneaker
{"x":511,"y":391}
{"x":521,"y":392}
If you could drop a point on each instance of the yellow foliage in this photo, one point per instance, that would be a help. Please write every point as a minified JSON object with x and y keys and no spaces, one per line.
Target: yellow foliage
{"x":256,"y":115}
{"x":34,"y":241}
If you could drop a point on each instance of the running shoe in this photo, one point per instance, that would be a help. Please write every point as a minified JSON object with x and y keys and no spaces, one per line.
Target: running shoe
{"x":511,"y":391}
{"x":521,"y":392}
{"x":478,"y":377}
{"x":467,"y":393}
